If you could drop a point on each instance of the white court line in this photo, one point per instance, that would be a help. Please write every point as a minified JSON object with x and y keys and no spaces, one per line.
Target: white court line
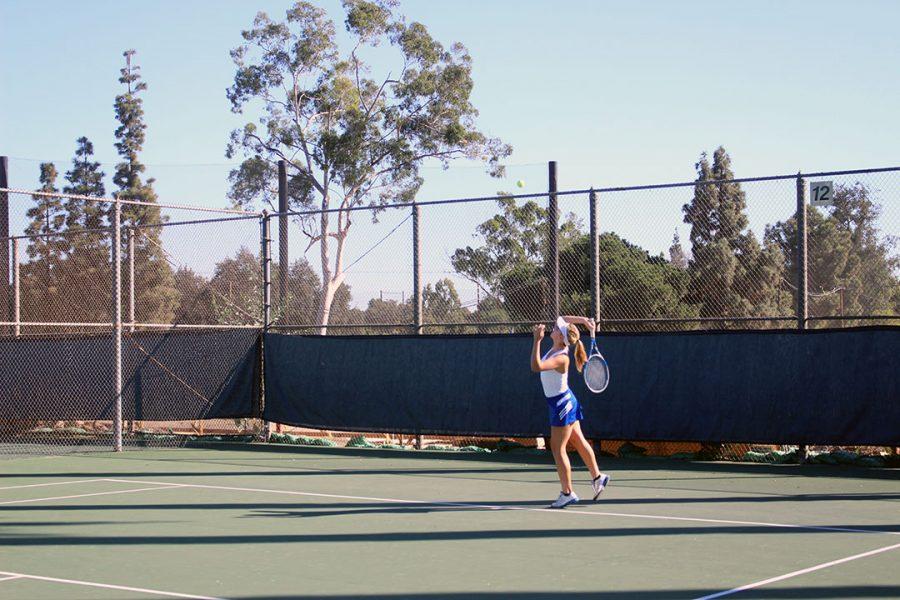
{"x":171,"y":485}
{"x":108,"y":586}
{"x":496,"y":507}
{"x":729,"y":522}
{"x":33,"y":485}
{"x":832,"y":563}
{"x":2,"y":579}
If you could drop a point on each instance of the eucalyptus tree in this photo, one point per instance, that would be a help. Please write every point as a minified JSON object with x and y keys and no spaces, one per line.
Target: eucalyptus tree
{"x":350,"y":137}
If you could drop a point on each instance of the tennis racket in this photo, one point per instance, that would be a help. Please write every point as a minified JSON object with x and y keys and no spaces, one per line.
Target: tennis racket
{"x":596,"y":371}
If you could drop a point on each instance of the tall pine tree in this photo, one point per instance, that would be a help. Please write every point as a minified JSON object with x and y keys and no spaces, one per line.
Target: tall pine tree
{"x":47,"y":222}
{"x":46,"y":251}
{"x":156,"y":297}
{"x":88,"y":267}
{"x":731,"y":274}
{"x":85,"y":179}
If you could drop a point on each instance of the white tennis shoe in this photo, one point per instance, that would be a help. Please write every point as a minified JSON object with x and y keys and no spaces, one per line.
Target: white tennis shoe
{"x":564,"y":500}
{"x":599,"y":483}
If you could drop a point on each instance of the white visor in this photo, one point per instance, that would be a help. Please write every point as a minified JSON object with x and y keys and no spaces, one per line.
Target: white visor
{"x":562,"y":325}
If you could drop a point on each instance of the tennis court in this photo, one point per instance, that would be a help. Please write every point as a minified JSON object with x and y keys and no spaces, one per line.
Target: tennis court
{"x":244,"y":358}
{"x":274,"y":522}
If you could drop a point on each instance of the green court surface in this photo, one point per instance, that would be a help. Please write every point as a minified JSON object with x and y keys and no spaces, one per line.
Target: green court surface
{"x":272,"y":522}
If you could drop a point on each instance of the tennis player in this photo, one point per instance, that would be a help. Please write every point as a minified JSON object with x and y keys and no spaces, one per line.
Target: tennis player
{"x":565,"y":411}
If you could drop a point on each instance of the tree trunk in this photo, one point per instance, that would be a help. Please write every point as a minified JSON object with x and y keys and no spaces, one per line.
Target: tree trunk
{"x":332,"y":277}
{"x":328,"y":287}
{"x":325,"y":305}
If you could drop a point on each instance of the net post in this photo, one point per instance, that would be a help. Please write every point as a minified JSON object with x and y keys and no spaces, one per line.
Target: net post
{"x":117,"y":321}
{"x":6,"y":308}
{"x":283,"y":256}
{"x":417,"y":283}
{"x":17,"y":294}
{"x":802,"y":275}
{"x":552,"y":260}
{"x":266,"y":265}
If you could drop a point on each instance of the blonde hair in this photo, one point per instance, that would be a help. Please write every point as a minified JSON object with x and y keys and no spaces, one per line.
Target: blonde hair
{"x":574,"y":338}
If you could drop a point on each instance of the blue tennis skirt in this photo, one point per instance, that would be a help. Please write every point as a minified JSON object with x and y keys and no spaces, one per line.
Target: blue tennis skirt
{"x":564,"y":409}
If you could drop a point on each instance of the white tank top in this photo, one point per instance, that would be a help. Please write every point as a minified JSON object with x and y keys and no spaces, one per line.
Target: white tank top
{"x":554,"y":382}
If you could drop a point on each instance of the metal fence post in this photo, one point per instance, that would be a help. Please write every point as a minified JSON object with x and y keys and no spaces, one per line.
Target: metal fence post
{"x":594,"y":310}
{"x":131,"y":283}
{"x":283,"y":257}
{"x":266,"y":256}
{"x":802,"y":275}
{"x":417,"y":270}
{"x":553,"y":243}
{"x":6,"y":308}
{"x":595,"y":257}
{"x":418,"y":319}
{"x":266,"y":264}
{"x":117,"y":321}
{"x":132,"y":425}
{"x":17,"y":294}
{"x":283,"y":250}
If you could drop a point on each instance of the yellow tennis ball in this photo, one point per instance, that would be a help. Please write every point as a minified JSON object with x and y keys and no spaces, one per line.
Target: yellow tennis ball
{"x":520,"y":183}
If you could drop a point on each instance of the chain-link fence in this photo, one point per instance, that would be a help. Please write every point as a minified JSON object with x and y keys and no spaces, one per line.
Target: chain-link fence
{"x":698,"y":255}
{"x":707,"y":254}
{"x":80,"y":374}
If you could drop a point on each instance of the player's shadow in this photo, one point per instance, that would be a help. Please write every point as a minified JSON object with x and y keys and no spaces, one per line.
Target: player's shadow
{"x":325,"y":510}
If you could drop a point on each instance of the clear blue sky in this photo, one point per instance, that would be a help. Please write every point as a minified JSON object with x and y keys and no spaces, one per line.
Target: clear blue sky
{"x":616,"y":92}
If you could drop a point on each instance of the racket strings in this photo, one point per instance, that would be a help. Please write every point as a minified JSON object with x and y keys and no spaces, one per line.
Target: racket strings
{"x":596,"y":373}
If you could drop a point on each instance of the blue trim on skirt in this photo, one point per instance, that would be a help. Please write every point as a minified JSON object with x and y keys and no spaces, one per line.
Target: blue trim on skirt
{"x":564,"y":409}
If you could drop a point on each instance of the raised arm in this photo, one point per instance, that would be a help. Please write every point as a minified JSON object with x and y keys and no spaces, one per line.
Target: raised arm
{"x":590,"y":324}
